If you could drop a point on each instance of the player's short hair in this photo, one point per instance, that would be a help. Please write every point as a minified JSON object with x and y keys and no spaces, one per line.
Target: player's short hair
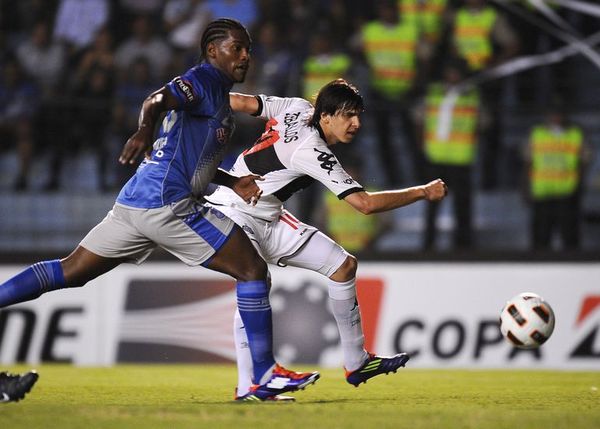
{"x":218,"y":30}
{"x":337,"y":96}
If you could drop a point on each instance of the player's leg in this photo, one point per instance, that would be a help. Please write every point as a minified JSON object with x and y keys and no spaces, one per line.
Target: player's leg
{"x":75,"y":270}
{"x":238,"y":258}
{"x":108,"y":244}
{"x":202,"y":235}
{"x":323,"y":255}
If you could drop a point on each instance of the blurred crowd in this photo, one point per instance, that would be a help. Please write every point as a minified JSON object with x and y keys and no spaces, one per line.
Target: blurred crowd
{"x":73,"y":75}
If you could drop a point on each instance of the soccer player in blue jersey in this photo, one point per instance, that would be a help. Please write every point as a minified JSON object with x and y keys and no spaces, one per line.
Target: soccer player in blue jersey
{"x":162,"y":204}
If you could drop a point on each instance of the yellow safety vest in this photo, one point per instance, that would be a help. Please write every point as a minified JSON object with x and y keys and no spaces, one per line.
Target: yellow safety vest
{"x":459,"y":148}
{"x":426,"y":15}
{"x":350,"y":228}
{"x":472,"y":35}
{"x":555,"y":161}
{"x":390,"y":52}
{"x":319,"y":70}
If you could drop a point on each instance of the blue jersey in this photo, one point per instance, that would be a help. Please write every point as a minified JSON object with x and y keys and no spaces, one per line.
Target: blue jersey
{"x":191,"y":142}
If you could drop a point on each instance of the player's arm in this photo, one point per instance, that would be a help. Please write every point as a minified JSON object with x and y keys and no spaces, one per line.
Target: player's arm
{"x":375,"y":202}
{"x":244,"y":103}
{"x":152,"y":107}
{"x":244,"y":186}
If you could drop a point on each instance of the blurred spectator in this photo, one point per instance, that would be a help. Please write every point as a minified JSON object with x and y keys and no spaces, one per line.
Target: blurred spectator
{"x":556,"y":156}
{"x":42,"y":58}
{"x":478,"y":28}
{"x":142,"y":7}
{"x":451,"y":152}
{"x":99,"y":54}
{"x":431,"y":17}
{"x":184,"y":21}
{"x":144,"y":43}
{"x":322,"y":65}
{"x":483,"y":38}
{"x":388,"y":45}
{"x":17,"y":115}
{"x":89,"y":113}
{"x":17,"y":18}
{"x":129,"y":95}
{"x":78,"y":21}
{"x":245,"y":11}
{"x":354,"y":231}
{"x":273,"y":66}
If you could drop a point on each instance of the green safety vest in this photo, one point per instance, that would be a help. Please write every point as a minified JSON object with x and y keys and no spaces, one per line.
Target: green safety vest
{"x":426,"y":15}
{"x":348,"y":227}
{"x":319,"y":70}
{"x":461,"y":145}
{"x":390,"y":52}
{"x":472,"y":35}
{"x":555,"y":161}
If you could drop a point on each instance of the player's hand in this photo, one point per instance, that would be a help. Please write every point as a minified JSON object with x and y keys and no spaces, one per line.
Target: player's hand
{"x":247,"y":188}
{"x":435,"y":190}
{"x":139,"y":143}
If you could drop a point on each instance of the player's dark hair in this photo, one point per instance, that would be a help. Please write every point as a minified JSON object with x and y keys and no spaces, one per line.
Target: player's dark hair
{"x":218,"y":30}
{"x":337,"y":96}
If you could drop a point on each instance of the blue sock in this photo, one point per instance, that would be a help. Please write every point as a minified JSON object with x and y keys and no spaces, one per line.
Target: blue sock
{"x":31,"y":283}
{"x":255,"y":310}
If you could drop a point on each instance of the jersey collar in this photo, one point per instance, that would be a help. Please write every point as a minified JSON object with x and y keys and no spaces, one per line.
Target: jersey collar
{"x":217,"y":73}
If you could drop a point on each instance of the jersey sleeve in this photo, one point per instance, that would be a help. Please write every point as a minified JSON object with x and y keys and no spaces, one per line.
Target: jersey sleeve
{"x":322,"y":165}
{"x":270,"y":106}
{"x":187,"y":89}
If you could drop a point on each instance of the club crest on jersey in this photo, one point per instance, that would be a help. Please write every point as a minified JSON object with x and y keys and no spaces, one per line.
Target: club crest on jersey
{"x":222,"y":135}
{"x":186,"y":88}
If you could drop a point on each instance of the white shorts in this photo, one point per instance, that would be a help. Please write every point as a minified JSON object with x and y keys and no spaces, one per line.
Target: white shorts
{"x":191,"y":231}
{"x":287,"y":241}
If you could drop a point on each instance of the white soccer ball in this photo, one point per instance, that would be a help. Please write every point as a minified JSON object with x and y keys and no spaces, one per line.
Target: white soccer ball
{"x":527,"y":321}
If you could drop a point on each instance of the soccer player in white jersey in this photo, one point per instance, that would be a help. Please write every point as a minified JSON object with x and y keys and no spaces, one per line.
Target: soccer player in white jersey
{"x":292,"y":153}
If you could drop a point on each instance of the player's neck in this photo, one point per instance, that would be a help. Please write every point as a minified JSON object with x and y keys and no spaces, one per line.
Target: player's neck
{"x":327,"y":133}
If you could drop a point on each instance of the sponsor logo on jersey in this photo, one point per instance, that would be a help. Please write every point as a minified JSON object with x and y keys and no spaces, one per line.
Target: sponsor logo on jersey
{"x":222,"y":135}
{"x":327,"y":160}
{"x":291,"y":127}
{"x":186,"y":89}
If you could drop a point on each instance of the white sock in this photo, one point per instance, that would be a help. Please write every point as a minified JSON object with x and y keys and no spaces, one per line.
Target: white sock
{"x":243,"y":356}
{"x":347,"y":315}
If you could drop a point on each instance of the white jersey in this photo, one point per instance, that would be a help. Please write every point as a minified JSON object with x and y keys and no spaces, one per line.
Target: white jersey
{"x":289,"y":155}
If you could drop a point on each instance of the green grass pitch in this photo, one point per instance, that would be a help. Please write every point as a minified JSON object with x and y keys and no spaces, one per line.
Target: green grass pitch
{"x":200,"y":396}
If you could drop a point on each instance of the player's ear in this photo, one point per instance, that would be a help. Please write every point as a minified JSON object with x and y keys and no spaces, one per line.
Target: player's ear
{"x":325,"y":118}
{"x":211,"y":50}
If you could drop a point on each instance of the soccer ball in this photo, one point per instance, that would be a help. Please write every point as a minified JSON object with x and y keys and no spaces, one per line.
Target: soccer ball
{"x":527,"y":321}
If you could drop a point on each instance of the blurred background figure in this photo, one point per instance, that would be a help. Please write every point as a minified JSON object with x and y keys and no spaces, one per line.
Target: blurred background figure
{"x":483,"y":37}
{"x":78,"y":22}
{"x":322,"y":65}
{"x":388,"y":44}
{"x":556,"y":157}
{"x":143,"y":42}
{"x":17,"y":117}
{"x":351,"y":229}
{"x":432,"y":19}
{"x":184,"y":21}
{"x":451,"y":149}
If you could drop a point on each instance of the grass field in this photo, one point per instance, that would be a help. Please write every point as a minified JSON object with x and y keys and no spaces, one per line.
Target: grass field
{"x":200,"y":397}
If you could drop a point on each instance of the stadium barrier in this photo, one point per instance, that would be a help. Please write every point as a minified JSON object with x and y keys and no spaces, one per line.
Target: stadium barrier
{"x":444,"y":314}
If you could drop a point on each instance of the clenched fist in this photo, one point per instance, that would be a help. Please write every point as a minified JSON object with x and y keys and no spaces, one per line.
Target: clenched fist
{"x":435,"y":190}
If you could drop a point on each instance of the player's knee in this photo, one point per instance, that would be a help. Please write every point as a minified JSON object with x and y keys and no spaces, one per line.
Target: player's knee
{"x":347,"y":271}
{"x":253,"y":269}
